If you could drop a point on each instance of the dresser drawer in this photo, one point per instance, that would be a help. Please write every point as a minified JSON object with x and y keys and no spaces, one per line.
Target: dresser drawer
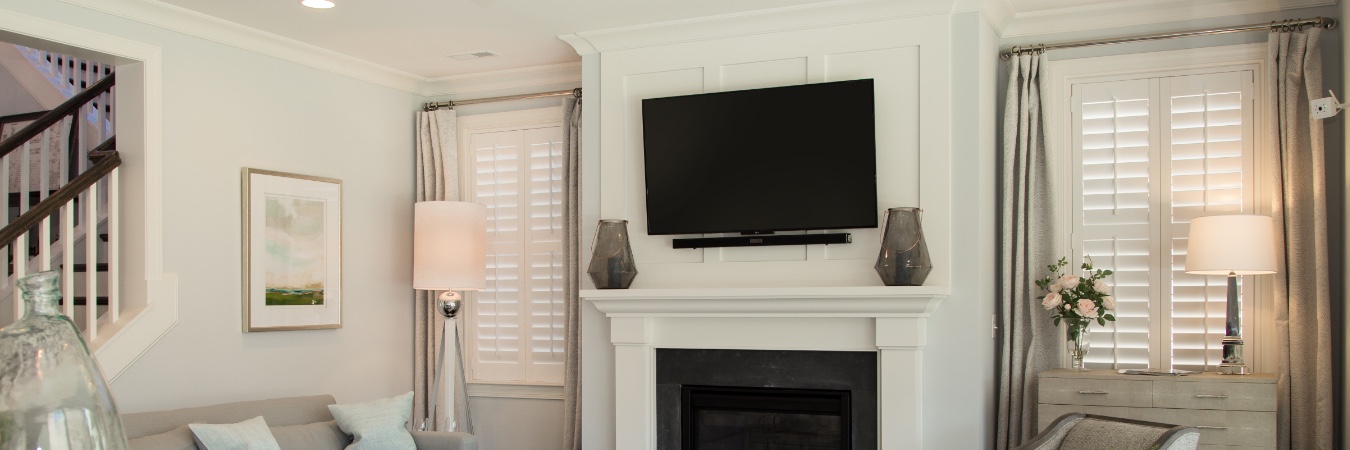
{"x":1076,"y":391}
{"x":1207,"y":395}
{"x":1222,"y":428}
{"x":1231,"y":447}
{"x":1249,"y":428}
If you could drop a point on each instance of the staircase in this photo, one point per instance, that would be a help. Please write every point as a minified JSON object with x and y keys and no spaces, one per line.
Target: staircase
{"x":62,"y":202}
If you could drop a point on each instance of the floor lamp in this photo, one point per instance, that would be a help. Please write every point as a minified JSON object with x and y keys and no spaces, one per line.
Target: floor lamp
{"x":1232,"y":245}
{"x":449,"y":255}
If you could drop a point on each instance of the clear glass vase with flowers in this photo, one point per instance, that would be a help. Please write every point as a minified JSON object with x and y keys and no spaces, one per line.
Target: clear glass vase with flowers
{"x":1077,"y":301}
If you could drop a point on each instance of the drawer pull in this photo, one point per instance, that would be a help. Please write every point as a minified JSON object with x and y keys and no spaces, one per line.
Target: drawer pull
{"x":1207,"y":427}
{"x":1092,"y":392}
{"x":1210,"y":396}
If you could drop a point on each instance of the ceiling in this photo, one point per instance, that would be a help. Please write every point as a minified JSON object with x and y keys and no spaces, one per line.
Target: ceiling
{"x":417,"y":36}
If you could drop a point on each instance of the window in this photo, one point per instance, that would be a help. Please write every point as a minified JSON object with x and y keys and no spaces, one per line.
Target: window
{"x":1149,"y":153}
{"x":512,"y":162}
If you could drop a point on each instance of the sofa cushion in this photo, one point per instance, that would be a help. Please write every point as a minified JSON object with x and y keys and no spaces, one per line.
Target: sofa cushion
{"x":277,"y":412}
{"x":251,"y":434}
{"x":311,"y":436}
{"x":377,"y":424}
{"x":176,"y":439}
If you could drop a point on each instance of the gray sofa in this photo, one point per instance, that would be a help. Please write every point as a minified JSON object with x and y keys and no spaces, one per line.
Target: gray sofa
{"x":296,"y":422}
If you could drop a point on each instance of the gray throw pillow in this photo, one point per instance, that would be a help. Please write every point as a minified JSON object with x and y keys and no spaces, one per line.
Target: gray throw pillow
{"x":377,"y":424}
{"x":251,"y":434}
{"x":311,"y":436}
{"x":176,"y":439}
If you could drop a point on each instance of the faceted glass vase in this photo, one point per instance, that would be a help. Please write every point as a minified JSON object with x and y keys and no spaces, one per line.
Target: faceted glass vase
{"x":904,"y":259}
{"x":612,"y":265}
{"x":52,"y":393}
{"x":1079,"y":335}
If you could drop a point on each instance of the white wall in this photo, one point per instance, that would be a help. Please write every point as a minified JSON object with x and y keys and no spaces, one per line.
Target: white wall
{"x":226,"y":109}
{"x":935,"y":87}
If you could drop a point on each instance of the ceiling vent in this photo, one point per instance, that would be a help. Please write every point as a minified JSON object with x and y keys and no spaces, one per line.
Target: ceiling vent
{"x":475,"y":55}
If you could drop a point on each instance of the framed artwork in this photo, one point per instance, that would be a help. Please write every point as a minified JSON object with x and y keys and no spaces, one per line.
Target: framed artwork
{"x":57,"y":140}
{"x":292,"y":251}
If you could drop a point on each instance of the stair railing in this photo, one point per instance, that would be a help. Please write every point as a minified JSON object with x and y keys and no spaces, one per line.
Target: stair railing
{"x":90,"y":182}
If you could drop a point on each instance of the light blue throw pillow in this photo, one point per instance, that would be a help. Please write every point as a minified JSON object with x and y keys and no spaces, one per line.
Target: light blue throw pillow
{"x":251,"y":434}
{"x":377,"y":424}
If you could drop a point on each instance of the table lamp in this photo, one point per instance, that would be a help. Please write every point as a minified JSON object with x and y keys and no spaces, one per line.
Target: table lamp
{"x":1232,"y":245}
{"x":449,"y":255}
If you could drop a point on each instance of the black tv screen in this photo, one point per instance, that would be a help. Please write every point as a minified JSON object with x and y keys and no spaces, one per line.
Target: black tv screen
{"x":777,"y":159}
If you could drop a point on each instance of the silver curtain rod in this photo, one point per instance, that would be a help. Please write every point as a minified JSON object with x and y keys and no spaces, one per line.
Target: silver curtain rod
{"x":432,"y":106}
{"x":1324,"y":22}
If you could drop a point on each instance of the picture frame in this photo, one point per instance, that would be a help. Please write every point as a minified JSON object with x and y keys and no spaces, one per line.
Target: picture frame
{"x":292,"y":251}
{"x":60,"y":140}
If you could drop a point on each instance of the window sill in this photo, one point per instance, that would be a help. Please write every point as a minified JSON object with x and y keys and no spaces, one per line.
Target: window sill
{"x":515,"y":391}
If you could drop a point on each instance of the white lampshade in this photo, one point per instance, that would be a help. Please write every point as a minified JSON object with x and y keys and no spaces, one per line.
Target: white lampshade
{"x":449,"y":246}
{"x":1239,"y":244}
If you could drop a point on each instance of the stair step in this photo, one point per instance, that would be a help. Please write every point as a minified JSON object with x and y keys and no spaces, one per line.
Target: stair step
{"x":82,"y":301}
{"x":100,"y":267}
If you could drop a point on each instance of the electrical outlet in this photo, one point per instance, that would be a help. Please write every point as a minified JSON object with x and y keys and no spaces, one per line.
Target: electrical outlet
{"x":1323,"y":108}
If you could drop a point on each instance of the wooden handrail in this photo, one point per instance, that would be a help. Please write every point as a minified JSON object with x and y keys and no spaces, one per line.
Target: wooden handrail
{"x":50,"y":205}
{"x":55,"y":115}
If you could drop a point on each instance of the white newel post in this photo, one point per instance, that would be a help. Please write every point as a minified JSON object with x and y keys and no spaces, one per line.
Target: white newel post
{"x":888,"y":320}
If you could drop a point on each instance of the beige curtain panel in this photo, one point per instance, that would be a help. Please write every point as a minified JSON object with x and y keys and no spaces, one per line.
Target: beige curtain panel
{"x":1302,"y":289}
{"x":437,"y":175}
{"x":572,"y":267}
{"x":1029,"y":343}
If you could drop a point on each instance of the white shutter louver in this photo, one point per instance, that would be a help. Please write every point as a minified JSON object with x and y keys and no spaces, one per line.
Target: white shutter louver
{"x":1150,"y":155}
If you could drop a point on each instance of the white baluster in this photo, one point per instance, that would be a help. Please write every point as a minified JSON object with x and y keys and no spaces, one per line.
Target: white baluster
{"x":68,"y":257}
{"x":114,"y":285}
{"x":91,"y":262}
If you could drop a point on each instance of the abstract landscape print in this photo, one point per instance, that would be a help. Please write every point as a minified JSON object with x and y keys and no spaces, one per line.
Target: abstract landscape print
{"x":295,"y":251}
{"x":292,"y":251}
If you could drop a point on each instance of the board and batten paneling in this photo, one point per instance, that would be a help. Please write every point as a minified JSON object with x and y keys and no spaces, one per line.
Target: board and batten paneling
{"x":909,"y":61}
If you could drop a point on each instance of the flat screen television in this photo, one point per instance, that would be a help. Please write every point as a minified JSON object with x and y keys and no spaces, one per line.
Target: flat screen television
{"x":762,"y":160}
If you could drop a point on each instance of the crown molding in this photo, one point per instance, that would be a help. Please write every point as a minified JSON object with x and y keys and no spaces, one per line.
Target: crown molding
{"x":214,"y":29}
{"x":816,"y":15}
{"x":500,"y":80}
{"x":1135,"y":13}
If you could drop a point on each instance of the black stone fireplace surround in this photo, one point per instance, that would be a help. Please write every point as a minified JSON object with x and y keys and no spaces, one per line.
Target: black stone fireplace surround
{"x":853,"y":373}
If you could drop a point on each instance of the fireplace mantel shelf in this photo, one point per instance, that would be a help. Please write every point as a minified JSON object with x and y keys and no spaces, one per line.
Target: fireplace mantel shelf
{"x":853,"y":301}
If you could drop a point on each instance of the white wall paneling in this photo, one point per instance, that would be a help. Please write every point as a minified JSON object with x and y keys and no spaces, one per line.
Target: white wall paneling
{"x":908,"y":60}
{"x":753,"y":297}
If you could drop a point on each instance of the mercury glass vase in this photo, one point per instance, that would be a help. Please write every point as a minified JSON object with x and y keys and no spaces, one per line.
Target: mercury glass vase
{"x":612,"y":265}
{"x":1079,"y":335}
{"x":904,"y":259}
{"x":52,"y":393}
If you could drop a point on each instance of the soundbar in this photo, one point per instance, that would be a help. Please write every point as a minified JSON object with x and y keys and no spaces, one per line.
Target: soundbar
{"x":764,"y":240}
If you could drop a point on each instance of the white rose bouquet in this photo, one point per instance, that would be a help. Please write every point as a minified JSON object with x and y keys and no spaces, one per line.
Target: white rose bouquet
{"x":1078,"y":300}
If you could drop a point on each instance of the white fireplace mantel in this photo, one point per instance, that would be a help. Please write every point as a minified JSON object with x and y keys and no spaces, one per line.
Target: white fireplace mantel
{"x":888,"y":320}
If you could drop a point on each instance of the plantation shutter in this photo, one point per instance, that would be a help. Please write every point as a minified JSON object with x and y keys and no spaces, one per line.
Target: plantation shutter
{"x":1116,"y":154}
{"x":517,"y":321}
{"x":1149,"y":155}
{"x":1209,"y":147}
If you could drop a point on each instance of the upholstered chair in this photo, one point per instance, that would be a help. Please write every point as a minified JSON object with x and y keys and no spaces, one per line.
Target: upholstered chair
{"x":1077,"y":431}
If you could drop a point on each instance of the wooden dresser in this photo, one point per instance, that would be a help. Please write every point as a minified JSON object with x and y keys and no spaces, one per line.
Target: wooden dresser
{"x":1233,"y":412}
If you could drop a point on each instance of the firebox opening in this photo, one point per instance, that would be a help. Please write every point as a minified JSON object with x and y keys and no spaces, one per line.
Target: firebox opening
{"x":753,"y":418}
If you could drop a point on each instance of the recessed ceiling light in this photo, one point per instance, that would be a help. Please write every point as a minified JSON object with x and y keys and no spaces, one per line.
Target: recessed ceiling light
{"x":320,"y":4}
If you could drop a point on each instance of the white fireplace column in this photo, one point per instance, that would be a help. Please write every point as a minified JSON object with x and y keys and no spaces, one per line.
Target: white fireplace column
{"x":887,"y":320}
